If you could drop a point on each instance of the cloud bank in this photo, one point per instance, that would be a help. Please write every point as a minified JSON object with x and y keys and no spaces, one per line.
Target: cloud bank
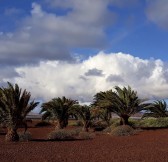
{"x":47,"y":35}
{"x":101,"y":72}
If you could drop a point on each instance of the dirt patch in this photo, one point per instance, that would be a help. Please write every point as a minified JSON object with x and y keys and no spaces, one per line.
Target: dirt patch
{"x":146,"y":146}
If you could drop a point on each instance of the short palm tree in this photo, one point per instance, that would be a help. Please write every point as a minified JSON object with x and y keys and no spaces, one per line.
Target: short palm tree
{"x":124,"y":102}
{"x":59,"y":109}
{"x":157,"y":109}
{"x":84,"y":114}
{"x":102,"y":113}
{"x":105,"y":115}
{"x":14,"y":106}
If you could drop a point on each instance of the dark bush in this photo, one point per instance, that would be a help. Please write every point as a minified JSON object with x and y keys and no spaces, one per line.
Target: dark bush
{"x":99,"y":126}
{"x":43,"y":124}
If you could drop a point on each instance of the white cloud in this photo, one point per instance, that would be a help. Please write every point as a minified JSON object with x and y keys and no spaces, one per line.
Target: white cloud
{"x":44,"y":35}
{"x":56,"y":78}
{"x":157,"y":12}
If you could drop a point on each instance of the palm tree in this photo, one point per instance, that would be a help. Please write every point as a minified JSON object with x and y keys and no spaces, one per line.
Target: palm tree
{"x":105,"y":115}
{"x":59,"y":109}
{"x":84,"y":113}
{"x":157,"y":109}
{"x":14,"y":106}
{"x":124,"y":102}
{"x":102,"y":113}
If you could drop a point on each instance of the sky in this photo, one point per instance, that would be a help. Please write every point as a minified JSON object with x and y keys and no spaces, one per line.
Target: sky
{"x":76,"y":48}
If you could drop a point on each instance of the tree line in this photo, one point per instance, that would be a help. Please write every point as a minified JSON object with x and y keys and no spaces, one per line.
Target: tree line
{"x":15,"y":104}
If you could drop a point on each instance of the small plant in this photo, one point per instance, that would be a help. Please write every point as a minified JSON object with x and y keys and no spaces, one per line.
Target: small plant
{"x":62,"y":134}
{"x":86,"y":135}
{"x":123,"y":130}
{"x":25,"y":136}
{"x":154,"y":122}
{"x":134,"y":122}
{"x":43,"y":124}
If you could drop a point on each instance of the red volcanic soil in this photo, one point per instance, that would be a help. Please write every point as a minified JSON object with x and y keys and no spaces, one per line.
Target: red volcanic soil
{"x":146,"y":146}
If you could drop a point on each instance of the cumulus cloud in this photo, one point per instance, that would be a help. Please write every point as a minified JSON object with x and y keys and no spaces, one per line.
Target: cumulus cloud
{"x":46,"y":35}
{"x":157,"y":12}
{"x":57,"y":78}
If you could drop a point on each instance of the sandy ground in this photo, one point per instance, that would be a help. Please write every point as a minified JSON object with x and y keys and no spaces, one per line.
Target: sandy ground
{"x":146,"y":146}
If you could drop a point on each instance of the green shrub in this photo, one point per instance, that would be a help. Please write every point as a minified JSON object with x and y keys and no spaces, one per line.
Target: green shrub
{"x":123,"y":130}
{"x":25,"y":136}
{"x":43,"y":124}
{"x":134,"y":122}
{"x":154,"y":122}
{"x":86,"y":135}
{"x":62,"y":134}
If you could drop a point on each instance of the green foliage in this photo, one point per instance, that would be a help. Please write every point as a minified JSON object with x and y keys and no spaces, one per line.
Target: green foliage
{"x":59,"y":109}
{"x":157,"y":109}
{"x":153,"y":122}
{"x":62,"y":134}
{"x":25,"y":136}
{"x":101,"y":113}
{"x":14,"y":106}
{"x":124,"y":102}
{"x":134,"y":122}
{"x":84,"y":114}
{"x":123,"y":130}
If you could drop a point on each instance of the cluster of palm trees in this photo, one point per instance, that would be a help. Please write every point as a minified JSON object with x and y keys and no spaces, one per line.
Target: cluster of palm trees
{"x":15,"y":105}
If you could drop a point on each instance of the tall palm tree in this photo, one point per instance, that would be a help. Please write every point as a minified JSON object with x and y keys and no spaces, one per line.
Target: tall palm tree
{"x":58,"y":108}
{"x":84,"y":113}
{"x":14,"y":106}
{"x":124,"y":102}
{"x":156,"y":109}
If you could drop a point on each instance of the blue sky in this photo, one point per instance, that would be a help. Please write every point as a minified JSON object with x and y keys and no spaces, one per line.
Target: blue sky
{"x":132,"y":32}
{"x":80,"y":39}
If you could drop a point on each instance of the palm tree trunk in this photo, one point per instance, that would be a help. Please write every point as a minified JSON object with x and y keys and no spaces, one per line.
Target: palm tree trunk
{"x":124,"y":120}
{"x":62,"y":124}
{"x":109,"y":116}
{"x":86,"y":126}
{"x":12,"y":135}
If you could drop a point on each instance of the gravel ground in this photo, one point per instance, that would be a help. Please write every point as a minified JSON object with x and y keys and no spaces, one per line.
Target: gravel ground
{"x":146,"y":146}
